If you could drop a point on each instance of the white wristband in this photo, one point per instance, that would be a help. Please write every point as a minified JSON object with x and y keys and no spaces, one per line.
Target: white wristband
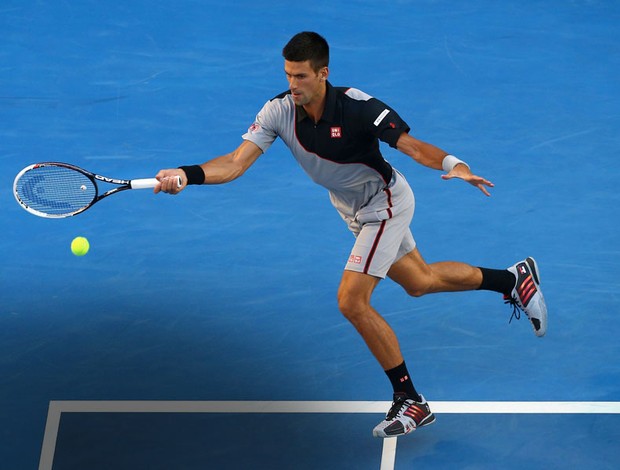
{"x":450,"y":161}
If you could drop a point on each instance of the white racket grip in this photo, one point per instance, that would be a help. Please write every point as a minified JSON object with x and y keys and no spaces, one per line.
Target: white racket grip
{"x":146,"y":183}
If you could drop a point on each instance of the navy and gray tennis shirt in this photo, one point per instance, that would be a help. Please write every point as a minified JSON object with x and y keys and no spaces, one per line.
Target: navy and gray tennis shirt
{"x":341,"y":151}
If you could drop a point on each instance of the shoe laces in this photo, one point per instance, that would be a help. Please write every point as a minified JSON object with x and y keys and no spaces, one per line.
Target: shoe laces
{"x":516,"y":309}
{"x":397,"y":404}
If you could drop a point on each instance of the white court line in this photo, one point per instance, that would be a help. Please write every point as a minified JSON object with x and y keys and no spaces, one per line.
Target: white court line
{"x":56,"y":408}
{"x":388,"y":454}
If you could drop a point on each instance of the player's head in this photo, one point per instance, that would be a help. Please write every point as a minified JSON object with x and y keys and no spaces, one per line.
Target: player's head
{"x":305,"y":46}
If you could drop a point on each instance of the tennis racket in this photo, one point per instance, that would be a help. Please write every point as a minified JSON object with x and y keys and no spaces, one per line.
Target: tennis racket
{"x":57,"y":190}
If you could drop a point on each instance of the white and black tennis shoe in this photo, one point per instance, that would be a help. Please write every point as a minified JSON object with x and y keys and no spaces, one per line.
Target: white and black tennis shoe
{"x":526,"y":295}
{"x":405,"y":415}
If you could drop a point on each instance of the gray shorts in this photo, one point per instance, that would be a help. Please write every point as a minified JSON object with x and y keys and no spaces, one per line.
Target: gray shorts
{"x":382,"y":230}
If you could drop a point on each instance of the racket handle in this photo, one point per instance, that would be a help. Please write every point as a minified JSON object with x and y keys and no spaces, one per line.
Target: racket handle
{"x":146,"y":183}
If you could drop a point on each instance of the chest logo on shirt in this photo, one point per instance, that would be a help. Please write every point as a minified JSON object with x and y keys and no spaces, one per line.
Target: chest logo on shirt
{"x":336,"y":132}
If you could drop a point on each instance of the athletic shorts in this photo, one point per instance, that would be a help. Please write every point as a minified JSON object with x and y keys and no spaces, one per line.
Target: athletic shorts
{"x":382,"y":230}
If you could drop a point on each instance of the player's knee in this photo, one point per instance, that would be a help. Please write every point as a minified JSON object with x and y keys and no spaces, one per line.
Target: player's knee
{"x":416,"y":291}
{"x":419,"y":288}
{"x":350,"y":306}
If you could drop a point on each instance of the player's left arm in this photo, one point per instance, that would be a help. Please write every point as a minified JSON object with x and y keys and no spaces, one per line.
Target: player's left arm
{"x":433,"y":157}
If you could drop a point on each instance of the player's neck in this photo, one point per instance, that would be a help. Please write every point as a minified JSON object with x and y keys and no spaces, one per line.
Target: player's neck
{"x":315,"y":108}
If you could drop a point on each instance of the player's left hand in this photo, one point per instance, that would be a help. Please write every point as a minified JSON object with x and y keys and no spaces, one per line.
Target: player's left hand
{"x":464,"y":173}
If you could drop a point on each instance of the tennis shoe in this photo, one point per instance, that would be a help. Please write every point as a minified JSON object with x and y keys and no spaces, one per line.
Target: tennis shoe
{"x":405,"y":415}
{"x":526,"y":295}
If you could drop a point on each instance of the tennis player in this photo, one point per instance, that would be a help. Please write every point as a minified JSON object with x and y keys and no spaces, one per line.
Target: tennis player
{"x":334,"y":134}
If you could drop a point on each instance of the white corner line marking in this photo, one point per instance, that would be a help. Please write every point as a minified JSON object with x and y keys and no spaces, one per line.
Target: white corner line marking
{"x":56,"y":408}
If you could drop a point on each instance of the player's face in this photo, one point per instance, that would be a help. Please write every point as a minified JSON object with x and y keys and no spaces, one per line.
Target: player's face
{"x":305,"y":84}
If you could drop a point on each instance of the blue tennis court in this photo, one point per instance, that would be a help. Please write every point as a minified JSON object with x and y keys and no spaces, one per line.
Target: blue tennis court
{"x":202,"y":330}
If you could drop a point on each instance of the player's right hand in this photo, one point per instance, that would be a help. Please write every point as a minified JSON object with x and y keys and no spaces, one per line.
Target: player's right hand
{"x":169,"y":181}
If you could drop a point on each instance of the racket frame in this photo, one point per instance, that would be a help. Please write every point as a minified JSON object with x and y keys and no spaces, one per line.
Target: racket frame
{"x":122,"y":185}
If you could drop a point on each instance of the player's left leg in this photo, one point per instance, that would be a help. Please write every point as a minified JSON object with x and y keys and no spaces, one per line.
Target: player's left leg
{"x":419,"y":278}
{"x":520,"y":283}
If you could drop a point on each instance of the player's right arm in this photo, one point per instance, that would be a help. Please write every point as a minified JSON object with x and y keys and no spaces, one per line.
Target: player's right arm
{"x":219,"y":170}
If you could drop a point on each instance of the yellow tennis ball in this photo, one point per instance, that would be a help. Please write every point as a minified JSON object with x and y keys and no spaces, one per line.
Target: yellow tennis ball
{"x":80,"y":246}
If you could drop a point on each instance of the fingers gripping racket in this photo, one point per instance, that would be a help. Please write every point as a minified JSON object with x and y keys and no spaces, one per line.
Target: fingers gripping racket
{"x":58,"y":190}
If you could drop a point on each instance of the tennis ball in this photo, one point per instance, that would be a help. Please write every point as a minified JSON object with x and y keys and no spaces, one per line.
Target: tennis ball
{"x":80,"y":246}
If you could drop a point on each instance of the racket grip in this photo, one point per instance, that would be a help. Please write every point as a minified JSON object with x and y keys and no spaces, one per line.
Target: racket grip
{"x":146,"y":183}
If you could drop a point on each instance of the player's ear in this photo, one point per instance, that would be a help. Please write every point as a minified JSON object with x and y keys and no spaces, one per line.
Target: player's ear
{"x":324,"y":73}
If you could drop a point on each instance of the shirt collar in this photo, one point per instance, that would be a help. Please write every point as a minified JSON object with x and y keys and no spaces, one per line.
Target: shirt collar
{"x":330,"y":106}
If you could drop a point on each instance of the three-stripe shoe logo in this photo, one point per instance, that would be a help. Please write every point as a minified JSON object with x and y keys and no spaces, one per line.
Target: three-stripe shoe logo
{"x":415,"y":413}
{"x":526,"y":288}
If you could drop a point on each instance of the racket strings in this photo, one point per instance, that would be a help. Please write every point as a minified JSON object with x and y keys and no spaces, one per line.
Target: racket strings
{"x":55,"y":190}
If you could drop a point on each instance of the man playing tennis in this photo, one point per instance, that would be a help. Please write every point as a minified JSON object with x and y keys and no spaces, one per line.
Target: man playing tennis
{"x":334,"y":134}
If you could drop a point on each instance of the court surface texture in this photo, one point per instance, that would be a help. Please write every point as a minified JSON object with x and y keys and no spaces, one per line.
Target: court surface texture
{"x":201,"y":331}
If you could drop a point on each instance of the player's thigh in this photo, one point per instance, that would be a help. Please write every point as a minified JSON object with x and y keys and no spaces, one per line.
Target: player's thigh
{"x":412,"y":273}
{"x":379,"y":244}
{"x":357,"y":285}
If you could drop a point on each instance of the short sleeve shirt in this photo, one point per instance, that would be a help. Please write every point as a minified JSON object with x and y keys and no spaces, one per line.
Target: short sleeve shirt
{"x":341,"y":151}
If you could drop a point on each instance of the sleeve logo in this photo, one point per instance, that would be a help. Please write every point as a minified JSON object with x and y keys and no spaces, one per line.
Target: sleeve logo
{"x":384,"y":113}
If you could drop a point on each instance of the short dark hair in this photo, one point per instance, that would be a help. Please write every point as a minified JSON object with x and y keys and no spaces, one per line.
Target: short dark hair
{"x":307,"y":45}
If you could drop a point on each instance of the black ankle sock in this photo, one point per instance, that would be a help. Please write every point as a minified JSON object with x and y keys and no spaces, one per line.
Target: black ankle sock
{"x":497,"y":280}
{"x":401,"y":381}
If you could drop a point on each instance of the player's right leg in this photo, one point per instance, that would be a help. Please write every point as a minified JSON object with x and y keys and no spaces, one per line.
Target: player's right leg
{"x":354,"y":295}
{"x":409,"y":410}
{"x":405,"y":415}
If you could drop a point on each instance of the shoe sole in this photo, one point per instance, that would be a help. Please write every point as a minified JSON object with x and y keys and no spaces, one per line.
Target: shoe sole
{"x":531,"y":262}
{"x":430,"y":419}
